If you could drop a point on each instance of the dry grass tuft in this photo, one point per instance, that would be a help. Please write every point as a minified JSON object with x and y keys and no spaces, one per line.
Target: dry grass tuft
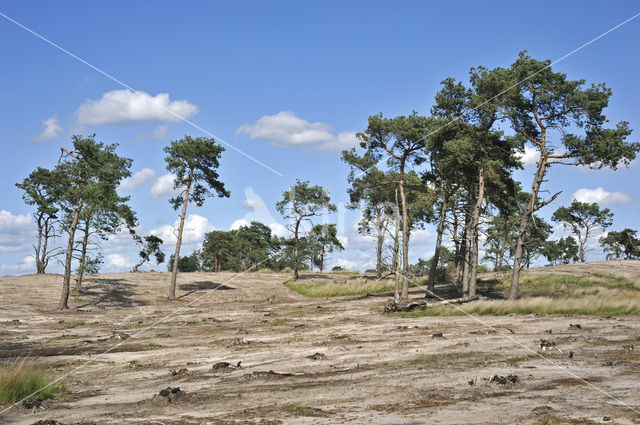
{"x":22,"y":378}
{"x":338,"y":287}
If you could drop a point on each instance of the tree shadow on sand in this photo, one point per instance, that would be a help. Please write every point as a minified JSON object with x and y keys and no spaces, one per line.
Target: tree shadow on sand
{"x":110,"y":293}
{"x":203,"y":285}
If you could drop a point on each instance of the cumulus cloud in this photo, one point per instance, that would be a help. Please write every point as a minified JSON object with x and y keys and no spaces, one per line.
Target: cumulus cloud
{"x":51,"y":129}
{"x":346,"y":264}
{"x":137,"y":180}
{"x":163,"y":187}
{"x":122,"y":106}
{"x":530,"y":156}
{"x":117,"y":261}
{"x":241,"y":222}
{"x":285,"y":130}
{"x":28,"y":264}
{"x":195,"y":227}
{"x":15,"y":231}
{"x":601,"y":196}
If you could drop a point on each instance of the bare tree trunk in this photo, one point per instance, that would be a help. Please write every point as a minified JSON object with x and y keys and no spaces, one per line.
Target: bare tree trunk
{"x":436,"y":252}
{"x":176,"y":257}
{"x":44,"y":255}
{"x":524,"y":222}
{"x":296,"y":258}
{"x":39,"y":263}
{"x":64,"y":297}
{"x":83,"y":255}
{"x":380,"y":229}
{"x":405,"y":243}
{"x":396,"y":253}
{"x":475,"y":227}
{"x":466,"y":257}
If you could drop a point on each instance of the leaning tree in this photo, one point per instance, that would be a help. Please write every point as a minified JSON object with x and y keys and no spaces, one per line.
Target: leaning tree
{"x":536,"y":100}
{"x":88,"y":175}
{"x":194,"y":163}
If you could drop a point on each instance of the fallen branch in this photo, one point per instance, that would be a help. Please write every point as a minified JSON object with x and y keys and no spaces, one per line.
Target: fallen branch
{"x":421,"y":304}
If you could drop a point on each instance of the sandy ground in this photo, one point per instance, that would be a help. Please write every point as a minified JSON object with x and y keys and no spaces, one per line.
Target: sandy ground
{"x":372,"y":368}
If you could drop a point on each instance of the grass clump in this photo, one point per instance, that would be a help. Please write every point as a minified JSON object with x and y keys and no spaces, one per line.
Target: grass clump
{"x":334,"y":288}
{"x":22,"y":378}
{"x":595,"y":305}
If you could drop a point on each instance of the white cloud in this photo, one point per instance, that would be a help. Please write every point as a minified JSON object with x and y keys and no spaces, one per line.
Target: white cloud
{"x":117,"y":261}
{"x":279,"y":230}
{"x":121,"y":106}
{"x":601,"y":196}
{"x":346,"y":264}
{"x":238,"y":224}
{"x":163,"y":187}
{"x":50,"y":131}
{"x":285,"y":129}
{"x":530,"y":156}
{"x":15,"y":231}
{"x":252,"y":201}
{"x":138,"y":180}
{"x":28,"y":264}
{"x":195,"y":227}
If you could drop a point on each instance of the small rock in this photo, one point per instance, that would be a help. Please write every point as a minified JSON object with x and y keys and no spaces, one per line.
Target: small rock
{"x":504,"y":380}
{"x":570,"y":354}
{"x":437,"y":335}
{"x":180,"y":372}
{"x":575,"y":326}
{"x":548,"y":331}
{"x":546,"y":344}
{"x":317,"y":356}
{"x":606,"y":419}
{"x":170,"y":394}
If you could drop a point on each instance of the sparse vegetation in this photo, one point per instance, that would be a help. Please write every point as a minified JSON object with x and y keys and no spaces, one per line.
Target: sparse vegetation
{"x":22,"y":378}
{"x":339,"y":287}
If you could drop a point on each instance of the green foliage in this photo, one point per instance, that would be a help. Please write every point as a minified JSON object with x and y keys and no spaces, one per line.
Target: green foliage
{"x":323,"y":239}
{"x":22,"y":378}
{"x":195,"y":160}
{"x":562,"y":251}
{"x":583,"y":219}
{"x":339,"y":287}
{"x":186,"y":264}
{"x":241,"y":249}
{"x":151,"y":248}
{"x":622,"y":243}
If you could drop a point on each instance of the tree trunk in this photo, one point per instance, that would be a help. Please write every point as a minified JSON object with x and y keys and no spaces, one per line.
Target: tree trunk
{"x":39,"y":263}
{"x":322,"y":259}
{"x":436,"y":253}
{"x":83,"y":256}
{"x":64,"y":297}
{"x":405,"y":242}
{"x":380,"y":229}
{"x":524,"y":221}
{"x":176,"y":257}
{"x":475,"y":225}
{"x":296,"y":258}
{"x":44,"y":255}
{"x":396,"y":253}
{"x":466,"y":257}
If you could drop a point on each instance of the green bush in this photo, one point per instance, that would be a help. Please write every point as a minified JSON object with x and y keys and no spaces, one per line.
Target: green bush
{"x":22,"y":378}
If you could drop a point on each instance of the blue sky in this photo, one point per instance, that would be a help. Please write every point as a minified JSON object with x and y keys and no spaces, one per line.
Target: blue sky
{"x":286,"y":82}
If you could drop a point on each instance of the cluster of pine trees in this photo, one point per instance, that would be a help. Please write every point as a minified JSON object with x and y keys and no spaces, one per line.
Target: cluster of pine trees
{"x":453,"y":169}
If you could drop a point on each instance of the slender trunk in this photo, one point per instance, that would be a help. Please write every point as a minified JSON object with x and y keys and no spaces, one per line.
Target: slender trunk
{"x":44,"y":259}
{"x":396,"y":253}
{"x":296,"y":259}
{"x":176,"y":256}
{"x":466,"y":257}
{"x":524,"y":221}
{"x":380,"y":229}
{"x":405,"y":242}
{"x":322,"y":259}
{"x":83,"y":255}
{"x":581,"y":252}
{"x":436,"y":252}
{"x":39,"y":263}
{"x":475,"y":226}
{"x":64,"y":297}
{"x":458,"y":251}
